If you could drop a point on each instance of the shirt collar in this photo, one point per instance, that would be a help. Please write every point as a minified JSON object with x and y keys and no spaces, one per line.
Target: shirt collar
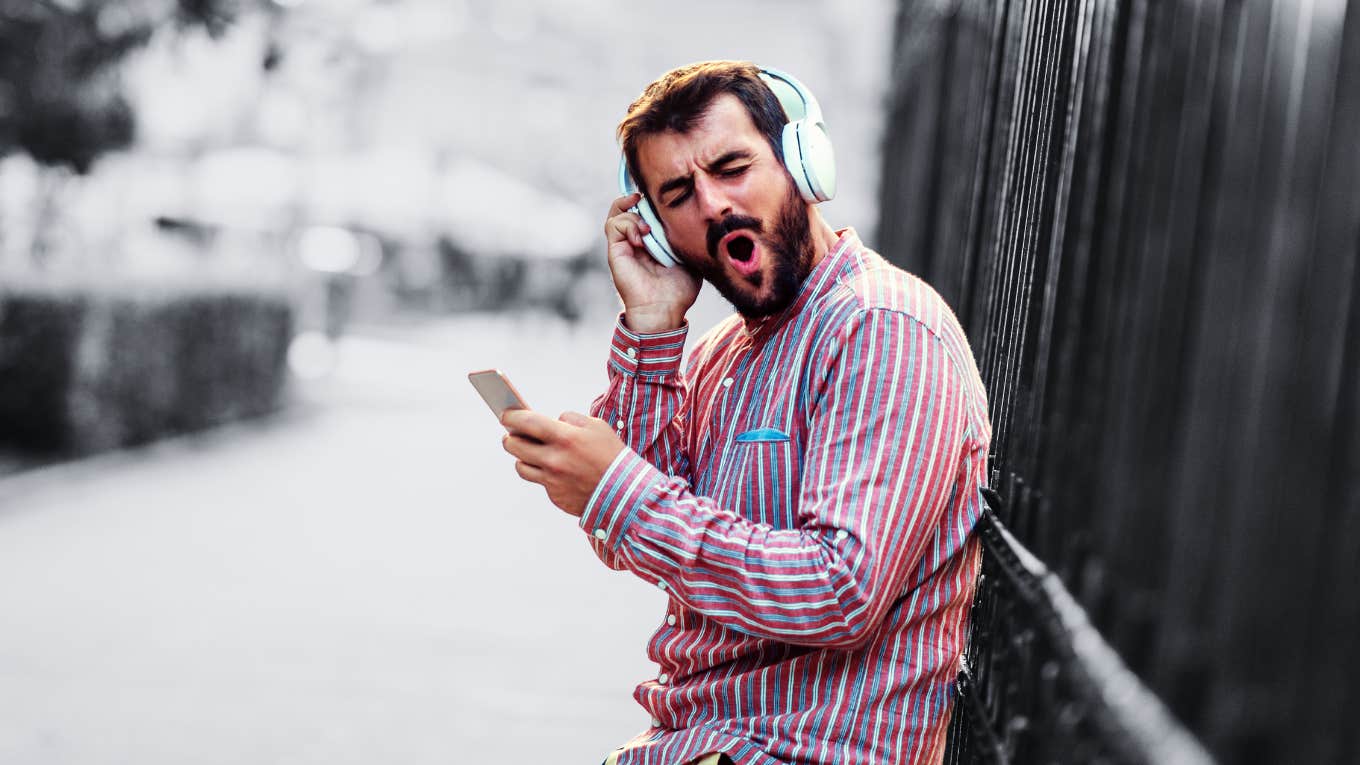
{"x":821,"y":281}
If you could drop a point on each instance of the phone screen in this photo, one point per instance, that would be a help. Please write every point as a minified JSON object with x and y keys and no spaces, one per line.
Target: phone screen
{"x":496,"y":390}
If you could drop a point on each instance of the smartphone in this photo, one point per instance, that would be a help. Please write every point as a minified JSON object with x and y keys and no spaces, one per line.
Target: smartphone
{"x":496,"y":391}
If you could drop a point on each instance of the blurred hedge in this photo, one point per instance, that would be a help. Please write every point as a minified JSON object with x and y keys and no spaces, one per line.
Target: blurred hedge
{"x":86,"y":368}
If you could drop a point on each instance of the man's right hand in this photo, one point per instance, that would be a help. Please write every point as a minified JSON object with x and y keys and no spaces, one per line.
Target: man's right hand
{"x":655,"y":298}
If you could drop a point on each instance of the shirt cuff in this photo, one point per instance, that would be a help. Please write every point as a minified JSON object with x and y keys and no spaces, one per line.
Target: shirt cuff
{"x":654,"y":355}
{"x":618,"y":496}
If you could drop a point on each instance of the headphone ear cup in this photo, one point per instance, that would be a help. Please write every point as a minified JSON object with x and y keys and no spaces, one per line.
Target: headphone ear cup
{"x":655,"y":240}
{"x":808,"y":154}
{"x":793,"y":161}
{"x":818,"y":160}
{"x":811,"y":160}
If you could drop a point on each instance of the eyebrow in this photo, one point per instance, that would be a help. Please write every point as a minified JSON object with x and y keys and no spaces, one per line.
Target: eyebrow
{"x":683,"y":181}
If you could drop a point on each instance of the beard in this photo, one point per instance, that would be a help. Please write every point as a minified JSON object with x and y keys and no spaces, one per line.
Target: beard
{"x":789,"y":245}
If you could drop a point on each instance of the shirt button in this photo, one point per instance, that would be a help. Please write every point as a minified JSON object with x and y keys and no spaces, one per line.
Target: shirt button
{"x":842,"y":534}
{"x":663,"y":678}
{"x":601,"y":533}
{"x":632,"y":353}
{"x":728,"y":382}
{"x":656,"y":723}
{"x":670,"y":619}
{"x":619,"y":425}
{"x":662,"y":585}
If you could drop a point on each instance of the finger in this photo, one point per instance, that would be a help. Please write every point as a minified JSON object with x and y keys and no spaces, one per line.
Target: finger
{"x":628,"y":226}
{"x":530,"y":473}
{"x":575,"y":418}
{"x":527,"y":422}
{"x":526,"y":449}
{"x":624,"y":203}
{"x":629,"y":246}
{"x":635,"y":234}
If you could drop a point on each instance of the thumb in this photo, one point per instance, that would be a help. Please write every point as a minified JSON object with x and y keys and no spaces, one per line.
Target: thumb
{"x":574,"y":418}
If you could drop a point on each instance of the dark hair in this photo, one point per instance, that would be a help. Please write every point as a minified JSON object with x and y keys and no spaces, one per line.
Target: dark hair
{"x":681,"y":96}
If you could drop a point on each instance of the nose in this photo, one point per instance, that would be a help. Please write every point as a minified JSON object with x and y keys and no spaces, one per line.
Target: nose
{"x":714,"y":203}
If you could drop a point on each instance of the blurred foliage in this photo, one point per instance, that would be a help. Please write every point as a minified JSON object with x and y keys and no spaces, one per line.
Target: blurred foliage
{"x":84,"y":369}
{"x":61,"y":100}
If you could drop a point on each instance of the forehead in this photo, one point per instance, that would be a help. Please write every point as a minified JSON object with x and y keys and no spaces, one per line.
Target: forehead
{"x":724,"y":127}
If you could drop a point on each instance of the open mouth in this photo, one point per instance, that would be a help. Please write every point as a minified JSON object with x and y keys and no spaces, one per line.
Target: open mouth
{"x":741,"y":252}
{"x":741,"y":248}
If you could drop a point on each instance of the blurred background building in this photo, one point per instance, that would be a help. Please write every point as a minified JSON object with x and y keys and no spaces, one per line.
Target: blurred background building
{"x":432,"y":131}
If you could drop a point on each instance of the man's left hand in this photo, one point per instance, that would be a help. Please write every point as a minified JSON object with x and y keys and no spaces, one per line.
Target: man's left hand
{"x":566,"y":456}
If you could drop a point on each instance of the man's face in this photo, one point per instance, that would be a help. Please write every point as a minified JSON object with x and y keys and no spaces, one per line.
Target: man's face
{"x":732,"y":213}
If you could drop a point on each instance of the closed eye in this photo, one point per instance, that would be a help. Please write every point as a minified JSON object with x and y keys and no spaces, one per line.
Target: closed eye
{"x":726,"y":172}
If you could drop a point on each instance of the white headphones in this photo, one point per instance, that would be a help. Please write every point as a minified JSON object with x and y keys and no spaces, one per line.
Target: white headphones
{"x":808,"y":157}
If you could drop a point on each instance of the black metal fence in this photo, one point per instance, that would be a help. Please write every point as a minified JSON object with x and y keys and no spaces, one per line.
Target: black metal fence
{"x":1040,"y":684}
{"x":1147,"y":215}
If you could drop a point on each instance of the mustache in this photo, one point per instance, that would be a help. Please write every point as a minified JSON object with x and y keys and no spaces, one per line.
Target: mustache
{"x":721,"y":228}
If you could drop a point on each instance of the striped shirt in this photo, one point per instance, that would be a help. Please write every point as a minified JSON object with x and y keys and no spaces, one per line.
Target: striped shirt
{"x":804,"y":491}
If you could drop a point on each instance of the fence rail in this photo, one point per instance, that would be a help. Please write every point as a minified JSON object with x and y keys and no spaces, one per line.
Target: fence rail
{"x":1041,"y":685}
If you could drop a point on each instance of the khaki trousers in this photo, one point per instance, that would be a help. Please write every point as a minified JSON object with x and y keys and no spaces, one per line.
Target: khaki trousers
{"x":708,"y":759}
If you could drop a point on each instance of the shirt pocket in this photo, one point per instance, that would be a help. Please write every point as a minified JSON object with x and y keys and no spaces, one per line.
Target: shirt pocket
{"x":767,"y":479}
{"x":762,"y":435}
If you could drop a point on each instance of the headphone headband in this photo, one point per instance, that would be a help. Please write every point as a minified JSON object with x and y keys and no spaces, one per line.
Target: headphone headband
{"x":802,"y":105}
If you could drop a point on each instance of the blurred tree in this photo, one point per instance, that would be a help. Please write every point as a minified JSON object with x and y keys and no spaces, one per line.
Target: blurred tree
{"x":60,"y":96}
{"x":61,"y":100}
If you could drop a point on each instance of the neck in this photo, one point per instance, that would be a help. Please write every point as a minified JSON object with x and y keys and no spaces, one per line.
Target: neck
{"x":822,"y":234}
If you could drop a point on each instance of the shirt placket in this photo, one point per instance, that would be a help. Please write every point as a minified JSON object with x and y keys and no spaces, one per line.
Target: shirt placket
{"x":731,"y":404}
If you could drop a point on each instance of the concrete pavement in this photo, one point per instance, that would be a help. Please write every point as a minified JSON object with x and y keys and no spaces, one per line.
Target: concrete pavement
{"x":361,"y":579}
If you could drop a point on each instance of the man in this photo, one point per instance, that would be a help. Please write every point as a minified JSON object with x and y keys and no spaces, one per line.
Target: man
{"x":805,"y":490}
